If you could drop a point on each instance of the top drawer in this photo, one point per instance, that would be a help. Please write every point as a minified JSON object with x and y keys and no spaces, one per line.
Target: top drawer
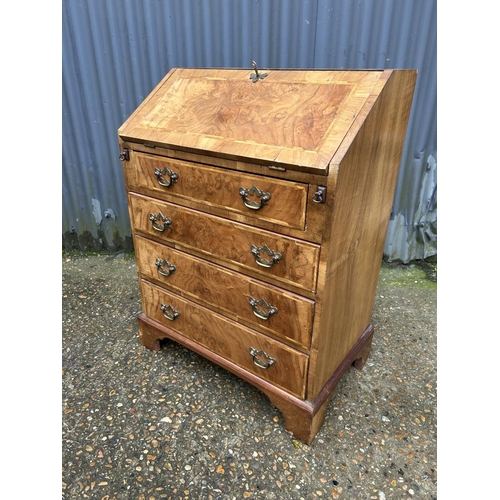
{"x":253,"y":196}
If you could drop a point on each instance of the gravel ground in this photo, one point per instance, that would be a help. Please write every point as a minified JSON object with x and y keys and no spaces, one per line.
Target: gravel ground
{"x":171,"y":425}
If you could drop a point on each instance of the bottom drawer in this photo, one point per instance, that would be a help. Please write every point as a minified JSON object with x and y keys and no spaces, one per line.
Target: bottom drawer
{"x":268,"y":359}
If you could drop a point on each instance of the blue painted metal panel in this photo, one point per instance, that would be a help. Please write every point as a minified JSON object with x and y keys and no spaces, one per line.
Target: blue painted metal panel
{"x":116,"y":51}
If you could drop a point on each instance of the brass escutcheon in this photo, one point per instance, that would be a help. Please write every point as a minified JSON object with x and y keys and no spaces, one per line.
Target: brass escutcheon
{"x":255,"y":77}
{"x":259,"y":312}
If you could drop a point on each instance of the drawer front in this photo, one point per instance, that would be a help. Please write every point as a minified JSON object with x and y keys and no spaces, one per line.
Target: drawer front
{"x":243,"y":299}
{"x":254,"y":197}
{"x":228,"y":339}
{"x":290,"y":261}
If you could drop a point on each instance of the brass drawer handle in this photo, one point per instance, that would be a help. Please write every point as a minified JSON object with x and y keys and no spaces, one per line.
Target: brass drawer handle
{"x":275,"y":256}
{"x":169,"y":312}
{"x":259,"y":362}
{"x":164,"y":267}
{"x":172,"y":176}
{"x":259,"y":312}
{"x":164,"y":224}
{"x":254,"y":190}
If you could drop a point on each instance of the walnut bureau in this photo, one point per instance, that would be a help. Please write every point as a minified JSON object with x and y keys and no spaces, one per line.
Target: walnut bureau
{"x":259,"y":205}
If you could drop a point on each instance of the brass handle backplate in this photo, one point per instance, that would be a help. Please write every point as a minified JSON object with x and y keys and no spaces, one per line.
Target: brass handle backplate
{"x":254,"y":190}
{"x":164,"y":223}
{"x":164,"y":267}
{"x":169,"y":312}
{"x":275,"y":256}
{"x":271,"y":310}
{"x":171,"y":176}
{"x":264,"y":364}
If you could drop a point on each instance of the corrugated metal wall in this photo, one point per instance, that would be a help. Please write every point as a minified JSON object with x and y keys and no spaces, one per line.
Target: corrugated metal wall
{"x":116,"y":51}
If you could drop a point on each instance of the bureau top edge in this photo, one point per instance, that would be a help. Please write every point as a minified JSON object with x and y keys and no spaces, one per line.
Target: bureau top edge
{"x":293,"y":119}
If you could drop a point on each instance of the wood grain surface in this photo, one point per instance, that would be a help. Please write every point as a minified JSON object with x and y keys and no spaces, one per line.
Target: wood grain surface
{"x":288,"y":135}
{"x":230,"y":242}
{"x":228,"y":292}
{"x":364,"y":195}
{"x":290,"y":118}
{"x":228,"y":339}
{"x":217,"y":187}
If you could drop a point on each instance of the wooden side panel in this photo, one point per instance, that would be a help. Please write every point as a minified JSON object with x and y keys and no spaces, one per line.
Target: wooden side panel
{"x":227,"y":292}
{"x":229,"y":242}
{"x":363,"y":199}
{"x":228,"y":339}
